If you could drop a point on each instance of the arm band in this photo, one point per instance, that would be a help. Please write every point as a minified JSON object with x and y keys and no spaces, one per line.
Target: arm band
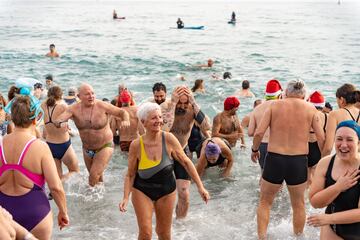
{"x":199,"y":118}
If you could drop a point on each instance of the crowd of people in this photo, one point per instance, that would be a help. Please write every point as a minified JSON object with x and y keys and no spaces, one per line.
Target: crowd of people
{"x":293,"y":140}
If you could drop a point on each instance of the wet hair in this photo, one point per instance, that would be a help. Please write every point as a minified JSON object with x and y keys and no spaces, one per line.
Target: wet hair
{"x":49,"y":77}
{"x":197,"y":84}
{"x":113,"y":102}
{"x":257,"y":102}
{"x":296,"y":88}
{"x":38,"y":85}
{"x":328,"y":105}
{"x":145,"y":108}
{"x":72,"y":91}
{"x":227,"y":75}
{"x":54,"y":93}
{"x":158,"y":87}
{"x":52,"y":45}
{"x":245,"y":84}
{"x":20,"y":112}
{"x":12,"y":91}
{"x":105,"y":100}
{"x":349,"y":93}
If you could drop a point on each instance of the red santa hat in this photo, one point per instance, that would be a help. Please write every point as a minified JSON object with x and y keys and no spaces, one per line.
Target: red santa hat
{"x":317,"y":99}
{"x":230,"y":103}
{"x":273,"y":88}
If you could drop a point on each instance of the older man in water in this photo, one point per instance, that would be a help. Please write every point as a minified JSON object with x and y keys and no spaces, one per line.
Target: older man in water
{"x":187,"y":112}
{"x":290,"y":121}
{"x":91,"y":117}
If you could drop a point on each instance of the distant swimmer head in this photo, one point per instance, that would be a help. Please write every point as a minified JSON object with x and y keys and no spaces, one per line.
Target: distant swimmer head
{"x":210,"y":62}
{"x":52,"y":47}
{"x":49,"y":78}
{"x":245,"y":84}
{"x":212,"y":151}
{"x":317,"y":99}
{"x":105,"y":100}
{"x":273,"y":89}
{"x":227,"y":75}
{"x":231,"y":104}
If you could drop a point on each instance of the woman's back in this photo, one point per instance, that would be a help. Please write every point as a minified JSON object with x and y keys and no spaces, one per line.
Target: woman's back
{"x":20,"y":165}
{"x":52,"y":113}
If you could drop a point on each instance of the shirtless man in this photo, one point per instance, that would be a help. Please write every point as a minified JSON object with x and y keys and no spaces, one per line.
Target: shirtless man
{"x":186,"y":113}
{"x":167,"y":105}
{"x":53,"y":52}
{"x":227,"y":124}
{"x":245,"y":121}
{"x":127,"y":135}
{"x":91,"y":118}
{"x":273,"y":92}
{"x":245,"y":90}
{"x":290,"y":121}
{"x":209,"y":64}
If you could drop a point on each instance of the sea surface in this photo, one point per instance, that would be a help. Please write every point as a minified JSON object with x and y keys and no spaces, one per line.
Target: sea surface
{"x":317,"y":42}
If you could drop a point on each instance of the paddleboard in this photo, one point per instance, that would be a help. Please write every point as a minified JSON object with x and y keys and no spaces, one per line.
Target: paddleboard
{"x":119,"y":18}
{"x":193,"y":28}
{"x":231,"y":22}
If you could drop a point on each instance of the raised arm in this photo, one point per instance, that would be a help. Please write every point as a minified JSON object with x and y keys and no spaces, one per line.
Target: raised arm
{"x":131,"y":173}
{"x":116,"y":112}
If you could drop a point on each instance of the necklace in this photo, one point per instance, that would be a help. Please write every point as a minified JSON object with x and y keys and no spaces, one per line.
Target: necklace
{"x":91,"y":112}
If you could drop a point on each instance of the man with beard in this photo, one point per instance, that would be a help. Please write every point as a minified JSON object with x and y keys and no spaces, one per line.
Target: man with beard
{"x":167,"y":105}
{"x":91,"y":117}
{"x":226,"y":124}
{"x":187,"y":112}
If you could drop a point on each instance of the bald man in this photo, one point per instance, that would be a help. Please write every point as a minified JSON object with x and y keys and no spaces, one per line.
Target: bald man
{"x":91,"y":117}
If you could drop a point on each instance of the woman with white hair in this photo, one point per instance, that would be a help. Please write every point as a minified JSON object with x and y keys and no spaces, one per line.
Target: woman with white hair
{"x":150,"y":175}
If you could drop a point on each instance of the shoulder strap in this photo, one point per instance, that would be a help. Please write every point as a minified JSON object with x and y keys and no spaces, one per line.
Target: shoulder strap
{"x":358,"y":117}
{"x":24,"y":151}
{"x":2,"y":153}
{"x":324,"y":127}
{"x":350,"y":114}
{"x":330,"y":167}
{"x":51,"y":113}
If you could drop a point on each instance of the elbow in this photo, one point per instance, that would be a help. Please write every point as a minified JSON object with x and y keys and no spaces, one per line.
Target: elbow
{"x":57,"y":189}
{"x":250,"y":133}
{"x":316,"y":204}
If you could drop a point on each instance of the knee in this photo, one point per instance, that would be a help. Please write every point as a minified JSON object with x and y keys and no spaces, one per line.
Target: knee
{"x":145,"y":234}
{"x":184,"y":194}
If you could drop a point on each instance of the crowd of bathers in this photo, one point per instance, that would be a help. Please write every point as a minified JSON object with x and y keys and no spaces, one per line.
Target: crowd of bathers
{"x":169,"y":142}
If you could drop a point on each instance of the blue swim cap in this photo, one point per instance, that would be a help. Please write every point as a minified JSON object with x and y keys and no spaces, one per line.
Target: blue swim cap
{"x":350,"y":124}
{"x":212,"y":149}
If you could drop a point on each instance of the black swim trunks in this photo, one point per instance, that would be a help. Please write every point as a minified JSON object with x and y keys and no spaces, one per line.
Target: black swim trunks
{"x":314,"y":155}
{"x":179,"y":170}
{"x":292,"y":169}
{"x":263,"y":152}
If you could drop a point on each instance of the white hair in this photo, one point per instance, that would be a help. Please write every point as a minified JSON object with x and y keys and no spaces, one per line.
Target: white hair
{"x":145,"y":108}
{"x":296,"y":88}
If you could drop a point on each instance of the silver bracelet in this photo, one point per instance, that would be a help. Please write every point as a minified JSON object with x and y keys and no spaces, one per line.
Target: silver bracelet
{"x":28,"y":236}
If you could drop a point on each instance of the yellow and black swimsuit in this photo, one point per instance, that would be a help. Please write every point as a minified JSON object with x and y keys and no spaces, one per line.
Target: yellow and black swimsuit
{"x":155,"y":178}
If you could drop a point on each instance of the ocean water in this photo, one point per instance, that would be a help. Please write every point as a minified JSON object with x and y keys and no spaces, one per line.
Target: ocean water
{"x":317,"y":42}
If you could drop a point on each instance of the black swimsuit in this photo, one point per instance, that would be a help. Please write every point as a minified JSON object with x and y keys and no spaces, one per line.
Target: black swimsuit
{"x":314,"y":154}
{"x":155,"y":180}
{"x":358,"y":117}
{"x":346,"y":200}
